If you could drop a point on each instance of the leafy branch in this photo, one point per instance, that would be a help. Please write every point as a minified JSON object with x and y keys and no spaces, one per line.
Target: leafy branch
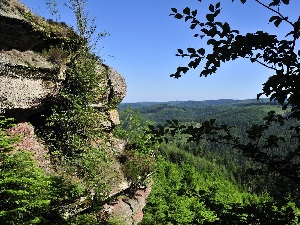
{"x":259,"y":47}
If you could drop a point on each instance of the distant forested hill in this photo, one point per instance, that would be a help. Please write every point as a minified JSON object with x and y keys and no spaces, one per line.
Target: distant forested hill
{"x":197,"y":104}
{"x":243,"y":111}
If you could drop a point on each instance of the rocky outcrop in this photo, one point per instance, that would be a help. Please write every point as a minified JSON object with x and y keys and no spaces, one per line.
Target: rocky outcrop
{"x":22,"y":30}
{"x":27,"y":82}
{"x":29,"y":143}
{"x":17,"y":32}
{"x":33,"y":63}
{"x":128,"y":209}
{"x":125,"y":204}
{"x":32,"y":70}
{"x":28,"y":79}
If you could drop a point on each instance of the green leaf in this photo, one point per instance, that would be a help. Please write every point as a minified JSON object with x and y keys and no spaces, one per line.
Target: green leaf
{"x":194,"y":13}
{"x":212,"y":32}
{"x":277,"y":22}
{"x":286,"y":2}
{"x":217,"y":12}
{"x":243,"y":1}
{"x":182,"y":69}
{"x":187,"y":18}
{"x":151,"y":127}
{"x":174,"y":10}
{"x":191,"y":50}
{"x":211,"y":41}
{"x":211,"y":8}
{"x":204,"y":30}
{"x":175,"y":122}
{"x":193,"y":26}
{"x":192,"y":64}
{"x":180,"y":51}
{"x":187,"y":11}
{"x":178,"y":16}
{"x":275,"y":3}
{"x":210,"y":17}
{"x":274,"y":18}
{"x":226,"y":27}
{"x":201,"y":51}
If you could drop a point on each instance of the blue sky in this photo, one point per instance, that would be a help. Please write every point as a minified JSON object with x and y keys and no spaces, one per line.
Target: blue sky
{"x":144,"y":39}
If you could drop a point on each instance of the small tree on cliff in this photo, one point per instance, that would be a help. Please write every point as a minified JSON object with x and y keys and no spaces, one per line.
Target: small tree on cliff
{"x":73,"y":128}
{"x":85,"y":24}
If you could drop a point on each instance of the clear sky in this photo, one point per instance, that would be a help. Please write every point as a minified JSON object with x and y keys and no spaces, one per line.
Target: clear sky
{"x":144,"y":39}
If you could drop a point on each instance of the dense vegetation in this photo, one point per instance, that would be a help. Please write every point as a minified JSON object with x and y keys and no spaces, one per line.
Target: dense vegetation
{"x":28,"y":195}
{"x":211,"y":183}
{"x":188,"y":111}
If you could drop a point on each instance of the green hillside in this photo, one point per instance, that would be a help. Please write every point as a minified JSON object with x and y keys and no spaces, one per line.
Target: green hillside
{"x":187,"y":111}
{"x":213,"y":183}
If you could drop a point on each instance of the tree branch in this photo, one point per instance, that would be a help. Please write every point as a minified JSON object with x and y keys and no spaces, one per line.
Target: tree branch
{"x":263,"y":64}
{"x":277,"y":12}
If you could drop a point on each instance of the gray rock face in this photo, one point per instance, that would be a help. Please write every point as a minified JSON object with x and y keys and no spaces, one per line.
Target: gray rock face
{"x":13,"y":9}
{"x":27,"y":82}
{"x":114,"y":85}
{"x":27,"y":79}
{"x":29,"y":143}
{"x":22,"y":30}
{"x":16,"y":31}
{"x":118,"y":86}
{"x":128,"y":210}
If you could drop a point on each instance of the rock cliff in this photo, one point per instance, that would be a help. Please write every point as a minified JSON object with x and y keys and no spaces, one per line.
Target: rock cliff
{"x":32,"y":72}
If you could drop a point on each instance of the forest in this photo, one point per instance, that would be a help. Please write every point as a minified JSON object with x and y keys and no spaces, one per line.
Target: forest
{"x":208,"y":182}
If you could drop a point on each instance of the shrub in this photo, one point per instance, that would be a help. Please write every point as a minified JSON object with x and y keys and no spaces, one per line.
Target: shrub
{"x":24,"y":187}
{"x":56,"y":55}
{"x":137,"y":166}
